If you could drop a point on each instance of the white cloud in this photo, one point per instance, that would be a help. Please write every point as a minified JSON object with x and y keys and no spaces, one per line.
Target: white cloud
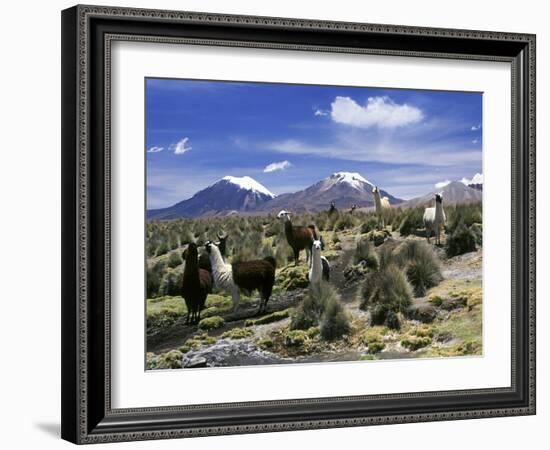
{"x":442,"y":184}
{"x":475,"y":141}
{"x":155,"y":149}
{"x":476,"y":127}
{"x":181,"y":146}
{"x":273,"y":167}
{"x":386,"y":152}
{"x":320,"y":112}
{"x":381,"y":112}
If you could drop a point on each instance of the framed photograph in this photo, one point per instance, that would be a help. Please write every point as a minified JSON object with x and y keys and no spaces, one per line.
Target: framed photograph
{"x":281,"y":224}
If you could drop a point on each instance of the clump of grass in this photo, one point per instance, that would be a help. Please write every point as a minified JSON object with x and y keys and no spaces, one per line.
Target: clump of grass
{"x":273,"y":317}
{"x":414,"y":343}
{"x":168,"y":360}
{"x":371,"y":223}
{"x":291,"y":278}
{"x":154,"y":279}
{"x":465,"y":214}
{"x":344,"y":222}
{"x":295,"y":338}
{"x":435,"y":300}
{"x":462,"y":240}
{"x":322,"y":308}
{"x":211,"y":323}
{"x":335,"y":322}
{"x":365,"y":252}
{"x":202,"y":339}
{"x":174,"y":260}
{"x":265,"y":343}
{"x":238,"y":333}
{"x":411,"y":221}
{"x":164,"y":311}
{"x":385,"y":291}
{"x":171,"y":284}
{"x":420,"y":263}
{"x":373,"y":339}
{"x":378,"y":237}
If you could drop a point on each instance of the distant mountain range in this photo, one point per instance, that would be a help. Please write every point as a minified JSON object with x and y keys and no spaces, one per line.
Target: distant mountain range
{"x":453,"y":193}
{"x":227,"y":194}
{"x":240,"y":195}
{"x":342,"y":188}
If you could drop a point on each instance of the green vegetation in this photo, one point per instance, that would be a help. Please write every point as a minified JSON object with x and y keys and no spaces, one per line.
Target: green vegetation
{"x":322,"y":308}
{"x":273,"y":317}
{"x":385,"y":291}
{"x":168,"y":360}
{"x":164,"y":311}
{"x":199,"y":340}
{"x":211,"y":323}
{"x":420,"y":263}
{"x":365,"y":253}
{"x":462,"y":240}
{"x":291,"y":278}
{"x":238,"y":333}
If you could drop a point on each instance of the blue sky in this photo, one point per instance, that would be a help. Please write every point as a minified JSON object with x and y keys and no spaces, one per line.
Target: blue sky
{"x":287,"y":137}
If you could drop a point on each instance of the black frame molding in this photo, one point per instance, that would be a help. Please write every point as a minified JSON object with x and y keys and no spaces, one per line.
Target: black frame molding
{"x":87,"y":33}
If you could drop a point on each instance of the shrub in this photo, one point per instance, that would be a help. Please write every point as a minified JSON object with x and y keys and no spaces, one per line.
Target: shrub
{"x":384,"y":291}
{"x":171,"y":284}
{"x":344,"y":222}
{"x":466,"y":214}
{"x":273,"y":317}
{"x":211,"y":323}
{"x":420,"y":263}
{"x":370,"y":224}
{"x":291,"y":278}
{"x":238,"y":333}
{"x":392,"y":321}
{"x":365,"y":252}
{"x":162,"y":249}
{"x":154,"y":279}
{"x":334,"y":322}
{"x":477,"y":229}
{"x":174,"y":260}
{"x":415,"y":342}
{"x":462,"y":240}
{"x":411,"y":221}
{"x":308,"y":314}
{"x":295,"y":338}
{"x":265,"y":343}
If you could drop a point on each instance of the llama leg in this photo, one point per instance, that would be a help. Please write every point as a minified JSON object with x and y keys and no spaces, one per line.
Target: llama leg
{"x":235,"y":297}
{"x":296,"y":257}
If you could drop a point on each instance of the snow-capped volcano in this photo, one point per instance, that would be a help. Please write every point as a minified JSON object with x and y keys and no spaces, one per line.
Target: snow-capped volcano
{"x":352,"y":179}
{"x":249,"y":184}
{"x":476,"y":182}
{"x":342,"y":188}
{"x":228,"y":194}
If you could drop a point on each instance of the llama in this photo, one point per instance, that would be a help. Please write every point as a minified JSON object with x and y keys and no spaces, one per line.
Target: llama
{"x":382,"y":206}
{"x":332,"y":210}
{"x":242,"y":276}
{"x":196,"y":284}
{"x":204,"y":259}
{"x":434,"y":219}
{"x":319,"y":268}
{"x":352,"y":208}
{"x":298,"y":237}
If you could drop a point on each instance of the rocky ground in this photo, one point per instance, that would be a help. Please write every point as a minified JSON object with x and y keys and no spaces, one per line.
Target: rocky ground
{"x":445,"y":322}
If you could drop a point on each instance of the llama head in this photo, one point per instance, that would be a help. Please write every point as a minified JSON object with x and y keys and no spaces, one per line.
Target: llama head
{"x":375,"y":190}
{"x":439,"y":198}
{"x":332,"y":205}
{"x":210,"y":246}
{"x":317,"y":245}
{"x":284,"y":215}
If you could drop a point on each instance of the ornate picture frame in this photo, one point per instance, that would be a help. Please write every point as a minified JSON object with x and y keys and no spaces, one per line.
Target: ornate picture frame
{"x":87,"y":35}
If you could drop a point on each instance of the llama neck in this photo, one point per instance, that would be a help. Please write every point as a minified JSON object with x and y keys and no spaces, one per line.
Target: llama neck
{"x":439,"y":211}
{"x":216,"y":259}
{"x":288,"y":227}
{"x":191,"y":269}
{"x":377,"y":201}
{"x":315,"y":261}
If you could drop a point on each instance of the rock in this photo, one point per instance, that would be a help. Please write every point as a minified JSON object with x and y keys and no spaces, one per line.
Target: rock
{"x":192,"y":363}
{"x":231,"y":353}
{"x":422,"y":312}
